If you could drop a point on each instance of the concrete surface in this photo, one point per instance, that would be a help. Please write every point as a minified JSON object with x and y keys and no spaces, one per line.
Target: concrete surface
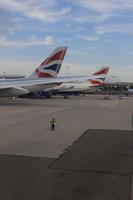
{"x":108,"y":151}
{"x":98,"y":166}
{"x":24,"y":124}
{"x":36,"y":164}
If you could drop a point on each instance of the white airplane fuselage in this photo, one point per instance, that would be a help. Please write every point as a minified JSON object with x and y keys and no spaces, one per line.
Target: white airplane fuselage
{"x":75,"y":86}
{"x":25,"y":86}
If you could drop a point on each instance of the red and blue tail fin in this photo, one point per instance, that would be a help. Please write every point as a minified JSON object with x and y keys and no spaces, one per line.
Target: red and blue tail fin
{"x":99,"y":76}
{"x":50,"y":67}
{"x":102,"y":71}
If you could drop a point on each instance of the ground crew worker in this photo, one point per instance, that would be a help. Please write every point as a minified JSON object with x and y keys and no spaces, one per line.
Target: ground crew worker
{"x":52,"y":124}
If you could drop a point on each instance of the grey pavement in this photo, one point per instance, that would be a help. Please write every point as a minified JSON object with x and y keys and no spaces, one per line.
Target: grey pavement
{"x":24,"y":124}
{"x":98,"y":166}
{"x":72,"y":163}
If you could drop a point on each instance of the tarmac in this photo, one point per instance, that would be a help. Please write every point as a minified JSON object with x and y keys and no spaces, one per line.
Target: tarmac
{"x":89,"y":156}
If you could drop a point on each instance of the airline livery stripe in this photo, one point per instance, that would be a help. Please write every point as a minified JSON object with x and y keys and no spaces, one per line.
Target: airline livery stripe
{"x":56,"y":56}
{"x":55,"y":67}
{"x":43,"y":74}
{"x":95,"y":82}
{"x":103,"y":71}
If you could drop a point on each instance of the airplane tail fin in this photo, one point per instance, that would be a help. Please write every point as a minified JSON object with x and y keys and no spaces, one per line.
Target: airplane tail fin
{"x":99,"y":76}
{"x":50,"y":67}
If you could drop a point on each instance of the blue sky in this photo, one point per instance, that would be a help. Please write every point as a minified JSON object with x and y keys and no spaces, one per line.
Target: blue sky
{"x":97,"y":33}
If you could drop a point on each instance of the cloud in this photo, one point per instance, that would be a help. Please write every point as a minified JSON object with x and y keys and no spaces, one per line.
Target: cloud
{"x":76,"y":69}
{"x":100,"y":10}
{"x":5,"y":42}
{"x":43,"y":10}
{"x":90,"y":38}
{"x":76,"y":52}
{"x":90,"y":19}
{"x":105,"y":6}
{"x":119,"y":28}
{"x":7,"y":24}
{"x":117,"y":72}
{"x":14,"y":66}
{"x":48,"y":40}
{"x":121,"y":72}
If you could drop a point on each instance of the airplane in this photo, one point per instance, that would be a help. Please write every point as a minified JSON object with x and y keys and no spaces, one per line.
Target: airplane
{"x":49,"y":68}
{"x":44,"y":77}
{"x":92,"y":84}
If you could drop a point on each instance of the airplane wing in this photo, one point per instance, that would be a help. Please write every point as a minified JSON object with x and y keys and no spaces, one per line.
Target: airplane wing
{"x":12,"y":91}
{"x":19,"y":87}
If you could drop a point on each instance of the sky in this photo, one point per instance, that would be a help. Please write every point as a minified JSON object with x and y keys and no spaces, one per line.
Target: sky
{"x":97,"y":33}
